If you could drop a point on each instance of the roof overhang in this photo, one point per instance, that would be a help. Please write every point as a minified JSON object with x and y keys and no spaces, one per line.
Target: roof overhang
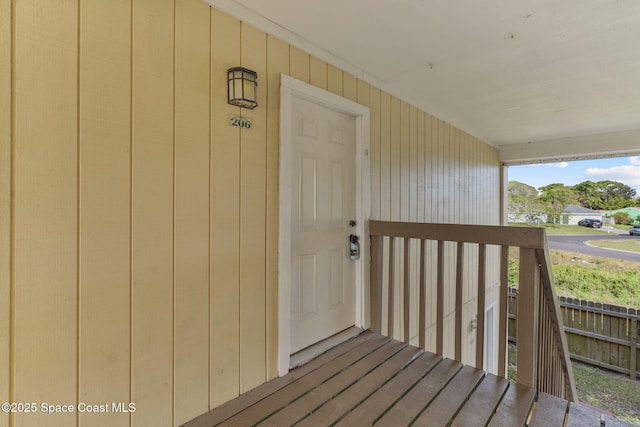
{"x":614,"y":144}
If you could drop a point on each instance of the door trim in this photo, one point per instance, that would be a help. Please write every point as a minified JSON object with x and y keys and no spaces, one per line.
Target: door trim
{"x":291,"y":88}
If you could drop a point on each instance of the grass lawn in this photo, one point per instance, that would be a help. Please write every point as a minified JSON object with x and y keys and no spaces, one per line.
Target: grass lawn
{"x":623,"y":245}
{"x":610,"y":391}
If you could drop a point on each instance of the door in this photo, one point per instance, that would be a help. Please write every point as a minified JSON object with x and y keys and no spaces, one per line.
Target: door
{"x":323,"y":208}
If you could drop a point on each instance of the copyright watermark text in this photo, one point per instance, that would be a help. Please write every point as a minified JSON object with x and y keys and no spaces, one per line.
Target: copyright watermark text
{"x":82,"y":407}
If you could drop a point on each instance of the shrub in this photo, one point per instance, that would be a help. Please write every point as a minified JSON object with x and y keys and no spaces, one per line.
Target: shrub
{"x":622,"y":218}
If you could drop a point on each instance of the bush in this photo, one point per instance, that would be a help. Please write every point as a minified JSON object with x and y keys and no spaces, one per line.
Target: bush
{"x":622,"y":218}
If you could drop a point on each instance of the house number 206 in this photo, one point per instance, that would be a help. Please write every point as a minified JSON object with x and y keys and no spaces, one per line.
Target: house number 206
{"x":241,"y":122}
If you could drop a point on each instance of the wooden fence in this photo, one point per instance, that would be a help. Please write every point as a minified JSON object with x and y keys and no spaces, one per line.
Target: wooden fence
{"x":598,"y":334}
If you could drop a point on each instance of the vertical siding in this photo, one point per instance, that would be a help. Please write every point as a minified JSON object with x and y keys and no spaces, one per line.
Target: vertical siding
{"x":299,"y":64}
{"x":5,"y":203}
{"x":318,"y":73}
{"x":225,"y":216}
{"x":46,"y":208}
{"x":375,"y":138}
{"x":191,"y":210}
{"x":152,"y":211}
{"x":385,"y":158}
{"x":105,"y":207}
{"x":143,"y":258}
{"x":349,"y":87}
{"x":334,"y":80}
{"x":252,"y":223}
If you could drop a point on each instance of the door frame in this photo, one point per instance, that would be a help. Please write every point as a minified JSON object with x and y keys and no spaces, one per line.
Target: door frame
{"x":290,"y":89}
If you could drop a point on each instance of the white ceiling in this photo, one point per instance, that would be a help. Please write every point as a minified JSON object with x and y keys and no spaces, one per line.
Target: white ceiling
{"x":509,"y":72}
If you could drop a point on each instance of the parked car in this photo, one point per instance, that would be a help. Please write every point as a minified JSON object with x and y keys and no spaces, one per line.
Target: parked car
{"x":635,"y":230}
{"x":594,"y":223}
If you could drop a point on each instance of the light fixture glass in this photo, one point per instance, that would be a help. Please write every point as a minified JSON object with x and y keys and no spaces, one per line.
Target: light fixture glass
{"x":242,"y":87}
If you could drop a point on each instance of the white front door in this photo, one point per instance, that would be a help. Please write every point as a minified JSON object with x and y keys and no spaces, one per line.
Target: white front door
{"x":323,"y":204}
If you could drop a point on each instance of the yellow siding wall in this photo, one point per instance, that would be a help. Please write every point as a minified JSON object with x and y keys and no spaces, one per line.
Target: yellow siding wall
{"x":5,"y":205}
{"x":138,"y":229}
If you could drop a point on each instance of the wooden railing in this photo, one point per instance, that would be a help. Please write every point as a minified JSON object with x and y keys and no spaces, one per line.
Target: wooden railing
{"x":542,"y":356}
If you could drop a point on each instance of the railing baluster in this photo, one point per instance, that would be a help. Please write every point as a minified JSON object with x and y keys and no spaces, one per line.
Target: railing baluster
{"x":423,"y":297}
{"x":406,"y":290}
{"x":440,"y":299}
{"x":504,"y":310}
{"x":634,"y":347}
{"x":482,"y":279}
{"x":459,"y":289}
{"x":391,"y":298}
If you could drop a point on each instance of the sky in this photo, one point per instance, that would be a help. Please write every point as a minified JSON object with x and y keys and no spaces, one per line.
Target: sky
{"x":621,"y":169}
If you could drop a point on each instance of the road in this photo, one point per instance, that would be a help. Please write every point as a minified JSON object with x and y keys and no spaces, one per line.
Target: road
{"x":578,"y":244}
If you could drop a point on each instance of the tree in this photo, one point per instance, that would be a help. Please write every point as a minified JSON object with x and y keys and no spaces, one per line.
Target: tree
{"x":524,"y":202}
{"x":604,"y":195}
{"x":587,"y":194}
{"x":519,"y":189}
{"x":556,"y":196}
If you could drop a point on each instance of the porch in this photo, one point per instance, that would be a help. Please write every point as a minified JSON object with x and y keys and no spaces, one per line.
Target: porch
{"x":374,"y":380}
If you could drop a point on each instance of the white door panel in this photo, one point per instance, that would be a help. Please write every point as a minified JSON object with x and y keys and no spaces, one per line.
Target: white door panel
{"x":323,"y":202}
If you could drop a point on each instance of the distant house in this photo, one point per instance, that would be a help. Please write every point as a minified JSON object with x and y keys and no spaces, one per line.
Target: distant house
{"x":572,"y":214}
{"x":522,"y":218}
{"x":634,"y":213}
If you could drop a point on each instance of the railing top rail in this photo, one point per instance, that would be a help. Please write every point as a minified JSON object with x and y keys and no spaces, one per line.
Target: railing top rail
{"x":524,"y":237}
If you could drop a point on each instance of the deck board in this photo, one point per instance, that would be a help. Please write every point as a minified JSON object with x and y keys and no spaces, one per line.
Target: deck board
{"x":420,"y":395}
{"x":549,"y":411}
{"x":288,"y":394}
{"x":515,"y":406}
{"x":371,"y":409}
{"x":334,"y":409}
{"x":332,"y":387}
{"x":372,"y":380}
{"x":483,"y":403}
{"x":231,"y":408}
{"x":444,"y":407}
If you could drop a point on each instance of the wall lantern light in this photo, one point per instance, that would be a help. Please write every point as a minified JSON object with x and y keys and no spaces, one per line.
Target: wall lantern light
{"x":242,"y":87}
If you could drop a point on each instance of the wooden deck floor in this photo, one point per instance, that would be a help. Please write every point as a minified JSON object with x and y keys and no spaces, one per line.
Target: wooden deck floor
{"x":372,"y":380}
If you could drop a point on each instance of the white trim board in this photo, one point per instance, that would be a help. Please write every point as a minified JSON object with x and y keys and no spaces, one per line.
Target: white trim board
{"x":598,"y":146}
{"x":292,"y":88}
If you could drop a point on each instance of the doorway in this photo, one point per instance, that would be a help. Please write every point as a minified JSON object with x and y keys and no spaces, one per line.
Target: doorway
{"x":324,"y":168}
